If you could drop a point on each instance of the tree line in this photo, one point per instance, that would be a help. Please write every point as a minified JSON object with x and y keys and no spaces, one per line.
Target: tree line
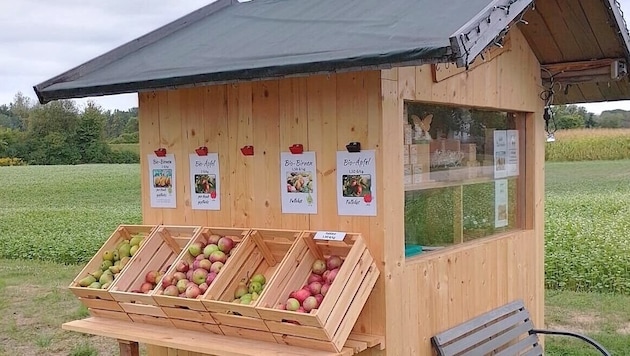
{"x":573,"y":116}
{"x":60,"y":132}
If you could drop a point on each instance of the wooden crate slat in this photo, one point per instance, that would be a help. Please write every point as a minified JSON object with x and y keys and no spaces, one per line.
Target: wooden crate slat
{"x":150,"y":319}
{"x":247,"y":333}
{"x":101,"y":313}
{"x":132,"y":308}
{"x":196,"y":326}
{"x":352,"y":314}
{"x":264,"y":249}
{"x":312,"y":344}
{"x":101,"y":304}
{"x":311,"y":332}
{"x":336,"y":288}
{"x":332,"y":317}
{"x":189,"y":315}
{"x":371,"y":340}
{"x":240,"y":321}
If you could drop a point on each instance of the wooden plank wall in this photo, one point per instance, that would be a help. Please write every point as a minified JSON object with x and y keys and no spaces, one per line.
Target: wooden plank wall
{"x":324,"y":113}
{"x":445,"y":288}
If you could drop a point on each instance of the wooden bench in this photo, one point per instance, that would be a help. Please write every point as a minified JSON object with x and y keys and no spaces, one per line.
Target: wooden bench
{"x":504,"y":331}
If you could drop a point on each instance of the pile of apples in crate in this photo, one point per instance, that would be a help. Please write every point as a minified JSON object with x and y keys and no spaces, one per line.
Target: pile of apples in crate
{"x":311,"y":295}
{"x":113,"y":261}
{"x":191,"y":280}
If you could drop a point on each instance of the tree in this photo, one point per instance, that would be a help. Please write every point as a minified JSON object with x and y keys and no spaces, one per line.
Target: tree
{"x":89,"y":135}
{"x":21,"y":108}
{"x":570,"y":116}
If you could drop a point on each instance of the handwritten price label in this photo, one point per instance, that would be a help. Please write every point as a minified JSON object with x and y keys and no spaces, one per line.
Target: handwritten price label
{"x":329,"y":235}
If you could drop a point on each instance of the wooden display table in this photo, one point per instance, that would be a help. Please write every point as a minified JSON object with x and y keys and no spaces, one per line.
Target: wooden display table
{"x":128,"y":334}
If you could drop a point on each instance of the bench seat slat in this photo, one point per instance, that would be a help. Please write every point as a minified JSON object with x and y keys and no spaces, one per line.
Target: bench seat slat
{"x":483,"y":319}
{"x":499,"y":341}
{"x":491,"y":331}
{"x":536,"y":351}
{"x":525,"y":344}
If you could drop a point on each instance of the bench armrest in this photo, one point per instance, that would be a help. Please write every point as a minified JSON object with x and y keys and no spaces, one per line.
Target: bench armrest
{"x":594,"y":343}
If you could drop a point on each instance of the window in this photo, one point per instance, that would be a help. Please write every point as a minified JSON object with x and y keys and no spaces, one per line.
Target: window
{"x":463,"y":171}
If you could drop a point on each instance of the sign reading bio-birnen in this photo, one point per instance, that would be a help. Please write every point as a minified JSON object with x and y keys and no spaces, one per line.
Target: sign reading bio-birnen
{"x":162,"y":181}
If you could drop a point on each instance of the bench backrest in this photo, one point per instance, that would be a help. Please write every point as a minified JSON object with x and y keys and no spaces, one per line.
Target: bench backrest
{"x":504,"y":331}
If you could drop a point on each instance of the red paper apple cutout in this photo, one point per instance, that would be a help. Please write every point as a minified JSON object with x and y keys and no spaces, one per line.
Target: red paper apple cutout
{"x":213,"y":194}
{"x":367,"y":198}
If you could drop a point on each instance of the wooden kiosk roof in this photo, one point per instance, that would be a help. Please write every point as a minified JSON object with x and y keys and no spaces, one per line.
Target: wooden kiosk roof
{"x":229,"y":41}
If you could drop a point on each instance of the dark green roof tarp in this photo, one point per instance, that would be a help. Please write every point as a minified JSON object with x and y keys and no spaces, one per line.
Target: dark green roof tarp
{"x":228,"y":41}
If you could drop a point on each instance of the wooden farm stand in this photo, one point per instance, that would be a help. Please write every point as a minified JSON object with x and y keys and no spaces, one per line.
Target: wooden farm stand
{"x":233,"y":75}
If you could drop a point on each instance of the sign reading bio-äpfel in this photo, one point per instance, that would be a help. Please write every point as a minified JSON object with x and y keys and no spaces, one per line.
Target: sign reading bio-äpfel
{"x":162,"y":181}
{"x":356,"y":183}
{"x":205,"y":183}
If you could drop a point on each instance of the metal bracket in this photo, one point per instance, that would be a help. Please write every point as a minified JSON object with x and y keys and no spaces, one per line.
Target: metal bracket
{"x":473,"y":37}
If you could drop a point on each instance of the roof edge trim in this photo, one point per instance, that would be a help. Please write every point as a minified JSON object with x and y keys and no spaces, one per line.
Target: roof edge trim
{"x":613,"y":6}
{"x":133,"y":45}
{"x":435,"y":55}
{"x":474,"y":36}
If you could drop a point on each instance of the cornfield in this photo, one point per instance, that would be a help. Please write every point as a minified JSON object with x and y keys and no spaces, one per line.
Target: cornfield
{"x":589,"y":145}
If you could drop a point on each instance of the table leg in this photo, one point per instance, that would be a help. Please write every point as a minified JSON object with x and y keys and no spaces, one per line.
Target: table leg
{"x":128,"y":348}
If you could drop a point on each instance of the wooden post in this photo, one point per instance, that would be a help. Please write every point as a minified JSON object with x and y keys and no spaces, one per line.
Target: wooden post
{"x":128,"y":348}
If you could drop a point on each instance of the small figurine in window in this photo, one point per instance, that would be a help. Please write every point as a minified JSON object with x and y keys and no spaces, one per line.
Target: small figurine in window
{"x":421,"y":128}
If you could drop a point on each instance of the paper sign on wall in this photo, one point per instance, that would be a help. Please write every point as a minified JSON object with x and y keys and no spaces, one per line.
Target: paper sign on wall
{"x":298,"y":175}
{"x":500,"y":203}
{"x":500,"y":154}
{"x":512,"y":153}
{"x":356,"y":183}
{"x":162,"y":181}
{"x":205,"y":188}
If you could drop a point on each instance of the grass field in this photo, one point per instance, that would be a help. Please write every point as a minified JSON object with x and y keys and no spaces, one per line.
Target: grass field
{"x":63,"y":214}
{"x":589,"y":144}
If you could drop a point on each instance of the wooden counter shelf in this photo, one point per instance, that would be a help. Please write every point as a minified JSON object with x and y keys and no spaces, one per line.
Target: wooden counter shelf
{"x":205,"y":343}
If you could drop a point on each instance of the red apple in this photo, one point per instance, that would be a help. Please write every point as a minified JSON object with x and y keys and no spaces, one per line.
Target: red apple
{"x":214,"y":239}
{"x":218,"y":256}
{"x":203,"y":287}
{"x":205,"y":264}
{"x":314,"y":278}
{"x":301,"y":295}
{"x":182,"y":266}
{"x":319,"y":298}
{"x":171,"y":291}
{"x":146,"y":287}
{"x":310,"y":303}
{"x":168,"y":280}
{"x":192,"y":291}
{"x":331,"y":276}
{"x":178,"y":275}
{"x":216,"y":267}
{"x":210,"y":278}
{"x":315,"y":287}
{"x":333,"y":262}
{"x":225,"y":244}
{"x":151,"y":277}
{"x":324,"y":289}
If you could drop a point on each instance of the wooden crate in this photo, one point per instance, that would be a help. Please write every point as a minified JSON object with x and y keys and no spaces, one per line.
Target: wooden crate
{"x":261,"y":253}
{"x":159,"y":252}
{"x":192,"y":309}
{"x":328,"y":327}
{"x":91,"y":297}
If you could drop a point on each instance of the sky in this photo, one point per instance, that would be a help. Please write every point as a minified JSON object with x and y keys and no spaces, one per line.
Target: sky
{"x":40,"y":39}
